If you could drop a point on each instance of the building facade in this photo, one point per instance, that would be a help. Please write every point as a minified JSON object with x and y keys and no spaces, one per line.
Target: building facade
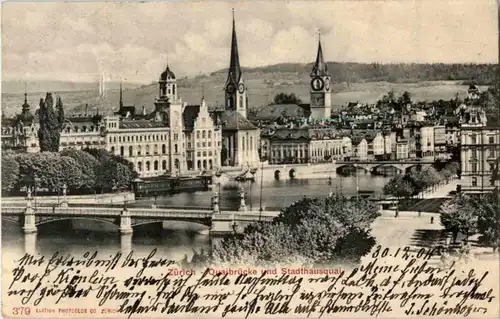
{"x":479,"y":151}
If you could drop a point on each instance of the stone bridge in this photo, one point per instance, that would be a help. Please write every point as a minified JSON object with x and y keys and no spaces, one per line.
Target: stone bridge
{"x":220,"y":222}
{"x":371,"y":166}
{"x":282,"y":171}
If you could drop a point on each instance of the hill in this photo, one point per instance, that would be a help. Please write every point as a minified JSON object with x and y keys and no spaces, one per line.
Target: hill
{"x":352,"y":82}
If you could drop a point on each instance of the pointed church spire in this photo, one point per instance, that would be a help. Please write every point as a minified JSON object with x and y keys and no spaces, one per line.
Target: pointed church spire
{"x":121,"y":93}
{"x":25,"y":104}
{"x":234,"y":64}
{"x":320,"y":67}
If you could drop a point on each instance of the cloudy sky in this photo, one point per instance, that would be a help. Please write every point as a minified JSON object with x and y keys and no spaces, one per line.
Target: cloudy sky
{"x":78,"y":42}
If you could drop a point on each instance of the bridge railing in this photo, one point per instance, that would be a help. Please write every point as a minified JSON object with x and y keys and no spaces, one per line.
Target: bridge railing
{"x":180,"y":213}
{"x":13,"y":210}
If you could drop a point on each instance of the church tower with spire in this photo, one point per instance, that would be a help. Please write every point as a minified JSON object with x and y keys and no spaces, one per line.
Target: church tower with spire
{"x":235,"y":89}
{"x":321,"y":101}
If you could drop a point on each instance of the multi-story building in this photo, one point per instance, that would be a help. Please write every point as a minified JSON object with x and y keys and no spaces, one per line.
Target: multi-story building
{"x":426,"y":142}
{"x":360,"y":148}
{"x":308,"y":145}
{"x":440,"y":142}
{"x":479,"y":142}
{"x":175,"y":137}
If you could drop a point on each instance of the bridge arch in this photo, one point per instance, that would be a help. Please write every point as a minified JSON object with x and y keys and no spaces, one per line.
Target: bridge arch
{"x":11,"y":219}
{"x":142,"y":222}
{"x":398,"y":168}
{"x":277,"y":174}
{"x":292,"y":173}
{"x":352,"y":166}
{"x":48,"y":220}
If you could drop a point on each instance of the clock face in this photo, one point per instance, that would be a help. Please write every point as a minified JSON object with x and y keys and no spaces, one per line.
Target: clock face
{"x":230,"y":88}
{"x":317,"y":84}
{"x":241,"y":88}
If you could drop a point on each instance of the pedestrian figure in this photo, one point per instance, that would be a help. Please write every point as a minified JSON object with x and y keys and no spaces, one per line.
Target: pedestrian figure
{"x":419,"y":213}
{"x":397,"y":214}
{"x":432,"y":220}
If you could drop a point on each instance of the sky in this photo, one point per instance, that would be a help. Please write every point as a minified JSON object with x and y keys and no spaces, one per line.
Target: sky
{"x":133,"y":41}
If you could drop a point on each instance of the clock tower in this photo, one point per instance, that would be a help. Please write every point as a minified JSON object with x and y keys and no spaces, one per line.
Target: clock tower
{"x":321,"y":101}
{"x":235,"y":89}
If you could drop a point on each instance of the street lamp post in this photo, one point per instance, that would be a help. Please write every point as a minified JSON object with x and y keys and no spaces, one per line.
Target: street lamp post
{"x":330,"y":182}
{"x":35,"y":180}
{"x":253,"y":170}
{"x":261,"y":187}
{"x":218,"y":174}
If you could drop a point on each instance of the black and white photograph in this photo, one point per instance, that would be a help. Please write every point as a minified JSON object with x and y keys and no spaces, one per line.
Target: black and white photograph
{"x":249,"y":159}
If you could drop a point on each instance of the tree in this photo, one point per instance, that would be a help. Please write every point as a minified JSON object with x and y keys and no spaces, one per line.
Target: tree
{"x":10,"y":172}
{"x":405,"y":98}
{"x":60,"y":113}
{"x":48,"y":133}
{"x":398,"y":187}
{"x":51,"y":170}
{"x":431,"y":177}
{"x":487,"y":208}
{"x":86,"y":163}
{"x":312,"y":230}
{"x":450,"y":170}
{"x":283,"y":98}
{"x":457,"y":215}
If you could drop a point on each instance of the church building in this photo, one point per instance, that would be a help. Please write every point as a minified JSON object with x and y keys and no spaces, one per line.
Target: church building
{"x":240,"y":138}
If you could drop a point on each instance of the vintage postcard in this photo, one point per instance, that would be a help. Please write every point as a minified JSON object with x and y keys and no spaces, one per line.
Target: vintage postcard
{"x":250,"y":159}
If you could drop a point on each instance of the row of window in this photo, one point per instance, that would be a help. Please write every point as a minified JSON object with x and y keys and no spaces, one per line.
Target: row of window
{"x":474,"y":181}
{"x":199,"y":154}
{"x":84,"y":129}
{"x":135,"y":138}
{"x":156,"y":165}
{"x":204,"y":134}
{"x":473,"y":139}
{"x":474,"y":167}
{"x":249,"y":143}
{"x":490,"y":154}
{"x":147,"y":150}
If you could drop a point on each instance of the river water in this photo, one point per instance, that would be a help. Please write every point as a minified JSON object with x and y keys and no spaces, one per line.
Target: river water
{"x":175,"y":240}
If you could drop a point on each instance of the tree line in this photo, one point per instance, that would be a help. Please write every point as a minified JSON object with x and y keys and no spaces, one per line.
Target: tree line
{"x":312,"y":231}
{"x":85,"y":171}
{"x":469,"y":215}
{"x":482,"y":74}
{"x":416,"y":182}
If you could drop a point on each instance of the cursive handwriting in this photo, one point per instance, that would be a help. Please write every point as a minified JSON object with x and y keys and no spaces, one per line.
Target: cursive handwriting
{"x":397,"y":282}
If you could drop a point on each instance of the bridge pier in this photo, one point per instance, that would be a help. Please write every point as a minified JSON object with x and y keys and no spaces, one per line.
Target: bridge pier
{"x":30,"y":243}
{"x":126,"y":243}
{"x":125,"y":222}
{"x":222,"y":224}
{"x":243,"y":206}
{"x":216,"y":207}
{"x":29,"y":225}
{"x":64,"y":202}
